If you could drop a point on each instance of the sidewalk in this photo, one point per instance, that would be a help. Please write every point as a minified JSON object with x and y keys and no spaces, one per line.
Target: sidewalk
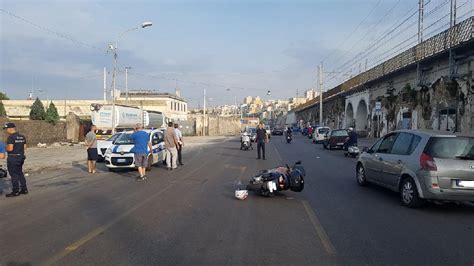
{"x":51,"y":158}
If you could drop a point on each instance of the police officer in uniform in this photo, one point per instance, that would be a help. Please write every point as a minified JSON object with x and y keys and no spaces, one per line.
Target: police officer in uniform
{"x":16,"y":145}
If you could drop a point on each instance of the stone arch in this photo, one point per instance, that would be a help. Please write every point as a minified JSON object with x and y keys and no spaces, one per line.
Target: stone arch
{"x":349,"y":115}
{"x":361,"y":116}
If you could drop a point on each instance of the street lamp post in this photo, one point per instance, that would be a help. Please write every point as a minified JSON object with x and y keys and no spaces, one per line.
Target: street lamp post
{"x":114,"y":50}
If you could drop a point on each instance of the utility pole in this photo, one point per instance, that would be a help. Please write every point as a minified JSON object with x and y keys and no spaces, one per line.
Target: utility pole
{"x":204,"y":115}
{"x":297,"y":98}
{"x":126,"y":84}
{"x":105,"y":85}
{"x":321,"y":94}
{"x":421,"y":7}
{"x":113,"y":88}
{"x":451,"y":36}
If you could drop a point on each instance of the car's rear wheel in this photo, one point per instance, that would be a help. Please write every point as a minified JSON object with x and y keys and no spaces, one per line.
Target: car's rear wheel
{"x":361,"y":175}
{"x":409,"y":194}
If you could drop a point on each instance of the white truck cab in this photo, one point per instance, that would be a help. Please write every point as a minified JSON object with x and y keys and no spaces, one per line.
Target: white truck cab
{"x":119,"y":155}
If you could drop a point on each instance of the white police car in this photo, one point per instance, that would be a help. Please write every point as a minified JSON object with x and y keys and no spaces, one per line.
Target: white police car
{"x":103,"y":145}
{"x":118,"y":156}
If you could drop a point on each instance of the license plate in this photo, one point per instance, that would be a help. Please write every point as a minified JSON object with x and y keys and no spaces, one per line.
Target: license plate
{"x":121,"y":160}
{"x":340,"y":144}
{"x":466,"y":184}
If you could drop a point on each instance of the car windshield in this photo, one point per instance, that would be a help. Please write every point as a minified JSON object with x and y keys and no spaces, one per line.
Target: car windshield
{"x":252,"y":130}
{"x":451,"y":148}
{"x":323,"y":130}
{"x":112,"y":138}
{"x":340,"y":133}
{"x":124,"y":139}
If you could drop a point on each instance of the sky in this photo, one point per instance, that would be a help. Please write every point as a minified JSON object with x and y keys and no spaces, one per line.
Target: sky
{"x":230,"y":48}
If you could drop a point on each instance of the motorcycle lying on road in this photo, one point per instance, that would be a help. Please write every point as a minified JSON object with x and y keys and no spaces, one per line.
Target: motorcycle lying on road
{"x":281,"y":178}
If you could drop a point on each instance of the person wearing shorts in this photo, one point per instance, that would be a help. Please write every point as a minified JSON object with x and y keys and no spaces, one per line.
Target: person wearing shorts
{"x":92,"y":154}
{"x":141,"y":148}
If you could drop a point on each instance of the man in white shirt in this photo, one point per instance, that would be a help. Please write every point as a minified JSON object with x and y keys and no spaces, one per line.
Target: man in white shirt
{"x":179,"y":136}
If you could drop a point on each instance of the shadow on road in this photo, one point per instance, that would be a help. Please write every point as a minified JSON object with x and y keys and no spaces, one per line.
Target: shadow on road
{"x":393,"y":198}
{"x":5,"y":184}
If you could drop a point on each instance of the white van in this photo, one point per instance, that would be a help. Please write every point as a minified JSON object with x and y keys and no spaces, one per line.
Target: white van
{"x":119,"y":155}
{"x":319,"y":133}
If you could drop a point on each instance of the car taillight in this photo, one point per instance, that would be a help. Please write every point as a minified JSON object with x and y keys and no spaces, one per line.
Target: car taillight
{"x":427,"y":163}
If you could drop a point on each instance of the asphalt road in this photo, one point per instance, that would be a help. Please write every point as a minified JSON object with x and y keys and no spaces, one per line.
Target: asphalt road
{"x":190,"y":217}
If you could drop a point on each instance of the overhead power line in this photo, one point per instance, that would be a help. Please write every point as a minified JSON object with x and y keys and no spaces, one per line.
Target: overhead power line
{"x":368,"y":32}
{"x":353,"y":31}
{"x":57,"y":34}
{"x":196,"y":83}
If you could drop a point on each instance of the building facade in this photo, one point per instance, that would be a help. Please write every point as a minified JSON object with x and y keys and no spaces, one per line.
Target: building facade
{"x":427,"y":87}
{"x":173,"y":106}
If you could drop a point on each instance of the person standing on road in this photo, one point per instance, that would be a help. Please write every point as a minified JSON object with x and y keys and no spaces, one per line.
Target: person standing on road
{"x":141,"y":148}
{"x":16,"y":146}
{"x":91,"y":145}
{"x":179,"y":135}
{"x":262,"y":138}
{"x":171,"y":144}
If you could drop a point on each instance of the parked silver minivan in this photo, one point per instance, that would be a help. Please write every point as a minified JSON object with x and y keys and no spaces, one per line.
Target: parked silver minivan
{"x":421,"y":165}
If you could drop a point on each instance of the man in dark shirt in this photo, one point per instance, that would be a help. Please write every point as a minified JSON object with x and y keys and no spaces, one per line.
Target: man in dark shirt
{"x":16,"y":145}
{"x":262,"y":138}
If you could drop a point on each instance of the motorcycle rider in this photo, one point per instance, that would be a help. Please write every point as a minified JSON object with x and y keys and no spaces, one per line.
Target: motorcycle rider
{"x":245,"y":138}
{"x":352,"y":141}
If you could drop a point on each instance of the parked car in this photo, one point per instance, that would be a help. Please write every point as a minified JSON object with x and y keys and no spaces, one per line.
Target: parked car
{"x":103,"y":145}
{"x":335,"y":139}
{"x":277,"y":131}
{"x":421,"y":166}
{"x":319,"y":133}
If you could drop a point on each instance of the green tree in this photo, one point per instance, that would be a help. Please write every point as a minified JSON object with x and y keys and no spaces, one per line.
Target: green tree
{"x":37,"y":110}
{"x":3,"y":112}
{"x":3,"y":96}
{"x":52,"y":115}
